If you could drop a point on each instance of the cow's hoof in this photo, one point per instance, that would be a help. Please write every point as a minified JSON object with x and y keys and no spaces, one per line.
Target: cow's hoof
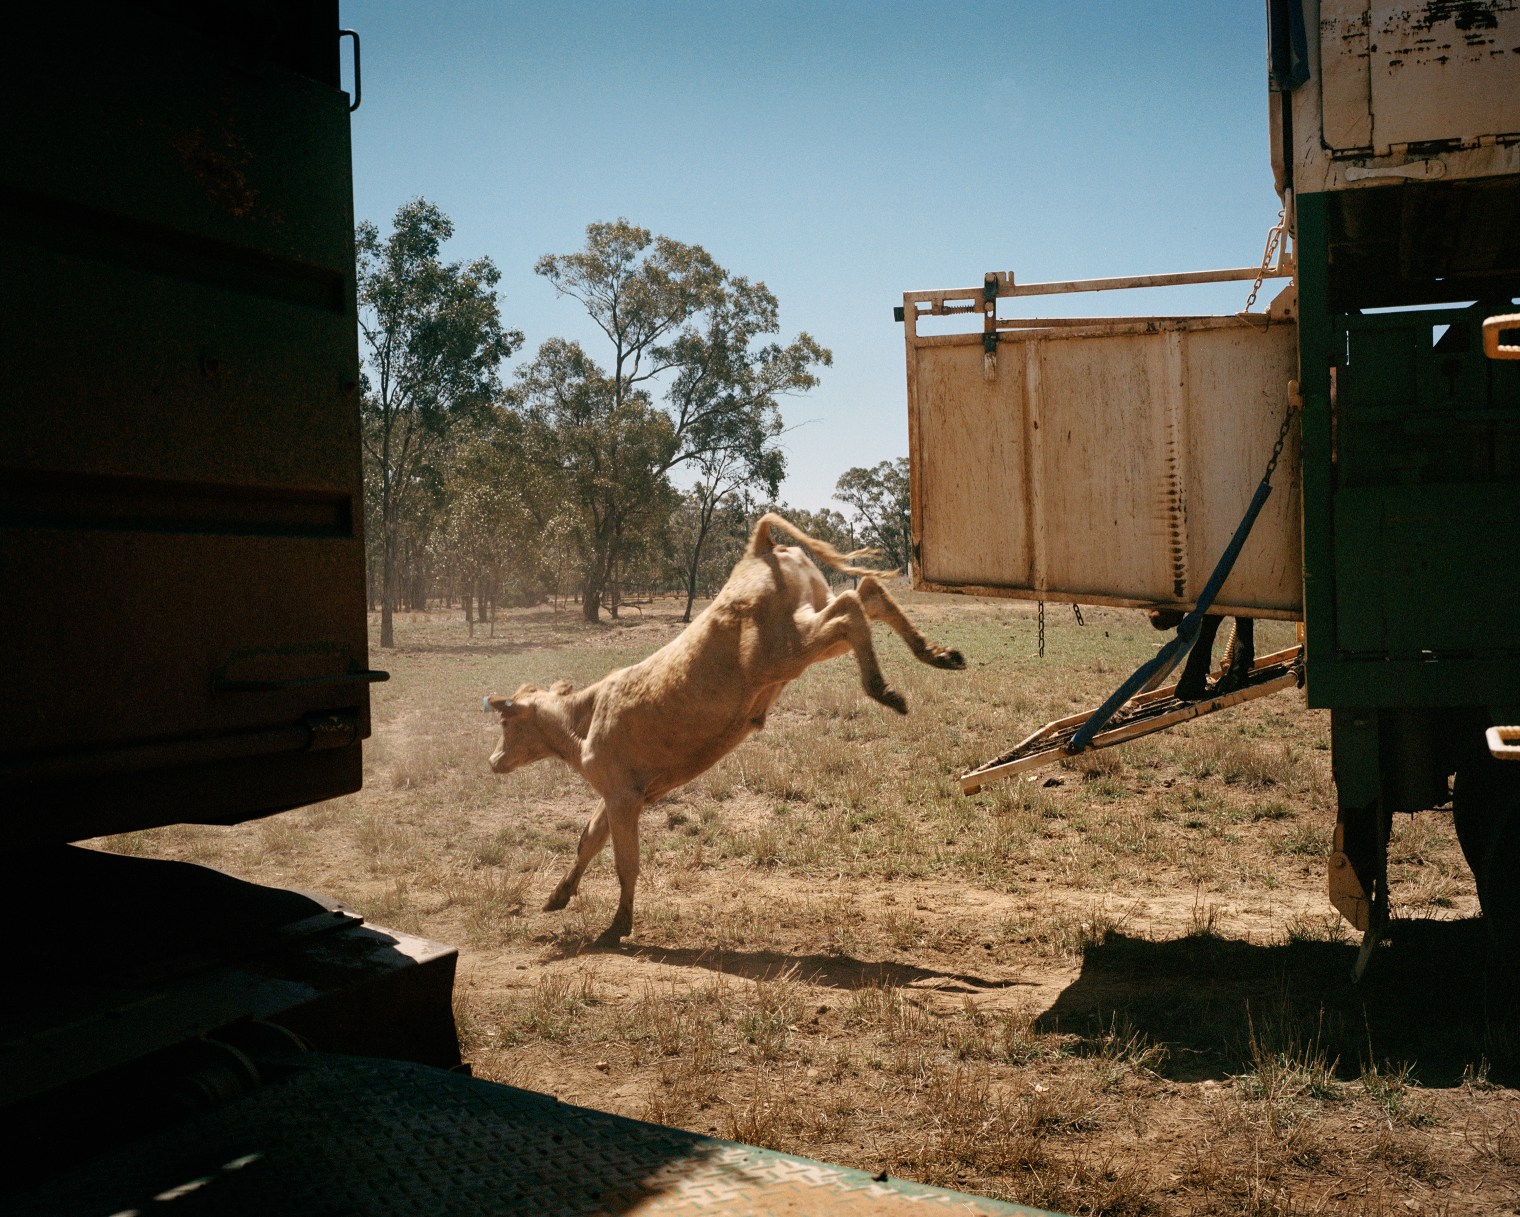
{"x":557,"y":901}
{"x":894,"y":700}
{"x":612,"y":936}
{"x":951,"y":659}
{"x":1191,"y":692}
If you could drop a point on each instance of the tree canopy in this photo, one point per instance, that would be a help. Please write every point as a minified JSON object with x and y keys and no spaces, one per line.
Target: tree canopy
{"x":879,"y":498}
{"x":433,"y":340}
{"x":630,"y":464}
{"x":691,"y":383}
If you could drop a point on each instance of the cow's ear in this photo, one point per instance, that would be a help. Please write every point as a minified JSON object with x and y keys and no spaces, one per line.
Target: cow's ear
{"x":562,"y":687}
{"x":504,"y":706}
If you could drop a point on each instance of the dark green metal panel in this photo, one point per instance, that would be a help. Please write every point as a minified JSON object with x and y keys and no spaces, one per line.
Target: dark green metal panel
{"x":1411,"y":491}
{"x":1315,"y":372}
{"x":1355,"y":758}
{"x":180,"y":485}
{"x":1424,"y":575}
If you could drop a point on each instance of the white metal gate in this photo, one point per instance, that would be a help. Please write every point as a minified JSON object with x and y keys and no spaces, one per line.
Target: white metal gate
{"x":1101,"y":460}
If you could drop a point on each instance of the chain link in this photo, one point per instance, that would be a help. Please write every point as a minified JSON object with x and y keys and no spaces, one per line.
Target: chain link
{"x":1282,"y":438}
{"x":1042,"y":629}
{"x":1077,"y":612}
{"x":1273,"y":239}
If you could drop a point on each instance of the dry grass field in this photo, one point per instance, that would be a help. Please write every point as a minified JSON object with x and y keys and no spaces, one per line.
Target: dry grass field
{"x":1114,"y":989}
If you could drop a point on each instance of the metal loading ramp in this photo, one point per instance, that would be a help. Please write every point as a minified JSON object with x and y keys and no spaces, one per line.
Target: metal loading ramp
{"x":1142,"y":715}
{"x":352,"y":1136}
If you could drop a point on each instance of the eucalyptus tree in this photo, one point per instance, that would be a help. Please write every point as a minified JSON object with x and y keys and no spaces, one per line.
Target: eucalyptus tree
{"x":490,"y":535}
{"x":707,"y":533}
{"x":724,"y":402}
{"x":433,"y":340}
{"x":679,"y":324}
{"x":603,"y":455}
{"x":879,"y":498}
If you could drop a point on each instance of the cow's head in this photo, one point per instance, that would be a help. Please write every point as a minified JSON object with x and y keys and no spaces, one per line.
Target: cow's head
{"x":522,"y":739}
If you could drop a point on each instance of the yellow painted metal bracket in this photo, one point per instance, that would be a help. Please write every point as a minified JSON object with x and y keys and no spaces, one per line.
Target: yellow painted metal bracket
{"x":1504,"y":743}
{"x":1493,"y":328}
{"x":1347,"y":895}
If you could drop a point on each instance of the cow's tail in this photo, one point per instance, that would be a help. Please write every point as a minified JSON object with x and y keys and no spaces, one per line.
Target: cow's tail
{"x":761,"y":543}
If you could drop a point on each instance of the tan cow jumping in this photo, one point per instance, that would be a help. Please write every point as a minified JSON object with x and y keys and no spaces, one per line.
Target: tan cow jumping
{"x":640,"y":732}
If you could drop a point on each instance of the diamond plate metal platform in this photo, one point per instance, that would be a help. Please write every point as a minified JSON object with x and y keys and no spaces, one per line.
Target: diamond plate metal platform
{"x":353,"y":1137}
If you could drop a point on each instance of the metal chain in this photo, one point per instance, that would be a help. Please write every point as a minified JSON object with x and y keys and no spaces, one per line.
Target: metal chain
{"x":1077,"y":610}
{"x":1042,"y":629}
{"x":1273,"y":239}
{"x":1282,"y":438}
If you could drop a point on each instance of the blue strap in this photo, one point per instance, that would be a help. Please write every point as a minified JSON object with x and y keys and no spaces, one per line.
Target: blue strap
{"x":1187,"y":630}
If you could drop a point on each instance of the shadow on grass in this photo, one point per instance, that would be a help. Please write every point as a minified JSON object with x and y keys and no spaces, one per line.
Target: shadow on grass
{"x":830,"y":971}
{"x":1430,"y":1000}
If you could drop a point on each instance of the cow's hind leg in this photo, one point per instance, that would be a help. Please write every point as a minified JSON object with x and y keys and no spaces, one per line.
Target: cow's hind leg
{"x":879,"y":606}
{"x":593,"y":837}
{"x":1239,"y":658}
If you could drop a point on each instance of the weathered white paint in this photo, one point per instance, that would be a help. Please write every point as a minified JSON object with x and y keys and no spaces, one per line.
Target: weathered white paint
{"x":1104,"y":461}
{"x":1402,"y":90}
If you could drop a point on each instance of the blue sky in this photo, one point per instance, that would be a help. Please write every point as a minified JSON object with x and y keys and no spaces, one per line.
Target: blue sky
{"x":841,"y":152}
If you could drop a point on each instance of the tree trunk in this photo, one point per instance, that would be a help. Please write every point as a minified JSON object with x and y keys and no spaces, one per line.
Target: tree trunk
{"x":706,"y":509}
{"x":696,"y":563}
{"x":595,"y":578}
{"x":593,"y":583}
{"x":388,"y":586}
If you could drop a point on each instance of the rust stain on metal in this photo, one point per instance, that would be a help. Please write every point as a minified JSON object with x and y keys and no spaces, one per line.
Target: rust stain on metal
{"x":217,"y":162}
{"x":1176,"y":513}
{"x":1426,"y":36}
{"x":1464,"y":14}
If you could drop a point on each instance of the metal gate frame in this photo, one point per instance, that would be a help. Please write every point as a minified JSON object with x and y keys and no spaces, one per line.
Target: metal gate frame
{"x":1038,"y":539}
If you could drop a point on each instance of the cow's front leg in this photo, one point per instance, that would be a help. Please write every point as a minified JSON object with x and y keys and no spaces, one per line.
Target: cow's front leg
{"x":593,"y":837}
{"x":623,"y":819}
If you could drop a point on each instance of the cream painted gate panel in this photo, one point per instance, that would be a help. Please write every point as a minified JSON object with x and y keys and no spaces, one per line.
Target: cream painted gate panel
{"x":1393,"y":74}
{"x":1106,"y":463}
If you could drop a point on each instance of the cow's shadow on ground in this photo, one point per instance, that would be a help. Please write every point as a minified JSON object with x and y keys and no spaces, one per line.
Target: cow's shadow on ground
{"x":1434,"y":998}
{"x":829,"y":971}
